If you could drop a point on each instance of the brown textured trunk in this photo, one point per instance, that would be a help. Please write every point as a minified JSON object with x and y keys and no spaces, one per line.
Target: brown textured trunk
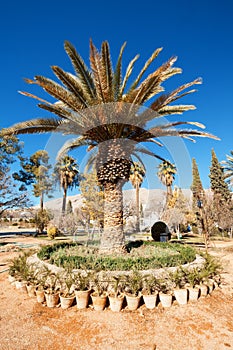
{"x":64,"y":201}
{"x":137,"y":226}
{"x":112,"y":237}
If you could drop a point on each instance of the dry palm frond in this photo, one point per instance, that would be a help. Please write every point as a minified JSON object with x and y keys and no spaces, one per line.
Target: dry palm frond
{"x":72,"y":144}
{"x":117,"y":79}
{"x":58,"y":92}
{"x":147,"y":64}
{"x":81,"y":70}
{"x":73,"y":85}
{"x":127,"y":75}
{"x":34,"y":126}
{"x":98,"y":73}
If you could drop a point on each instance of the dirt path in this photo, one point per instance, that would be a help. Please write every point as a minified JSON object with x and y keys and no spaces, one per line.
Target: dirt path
{"x":204,"y":325}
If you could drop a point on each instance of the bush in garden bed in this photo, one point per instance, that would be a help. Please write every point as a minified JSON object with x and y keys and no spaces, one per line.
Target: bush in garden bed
{"x":147,"y":256}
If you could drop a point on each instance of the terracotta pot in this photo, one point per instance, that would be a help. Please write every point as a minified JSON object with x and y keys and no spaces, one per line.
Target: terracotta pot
{"x":31,"y":290}
{"x":150,"y":300}
{"x":40,"y":295}
{"x":210,"y":286}
{"x":193,"y":293}
{"x":133,"y":301}
{"x":116,"y":302}
{"x":52,"y":300}
{"x":166,"y":299}
{"x":82,"y":298}
{"x":21,"y":286}
{"x":181,"y":296}
{"x":66,"y":302}
{"x":204,"y":290}
{"x":11,"y":279}
{"x":99,"y":302}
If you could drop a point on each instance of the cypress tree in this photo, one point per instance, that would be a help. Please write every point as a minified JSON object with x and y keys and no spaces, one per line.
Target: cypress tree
{"x":196,"y":187}
{"x":218,"y":185}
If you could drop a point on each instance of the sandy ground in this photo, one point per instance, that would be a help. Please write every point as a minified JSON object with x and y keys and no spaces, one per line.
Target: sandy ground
{"x":204,"y":325}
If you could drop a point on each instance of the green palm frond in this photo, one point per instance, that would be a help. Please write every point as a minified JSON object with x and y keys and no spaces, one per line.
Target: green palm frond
{"x":107,"y":71}
{"x":117,"y":78}
{"x":81,"y":70}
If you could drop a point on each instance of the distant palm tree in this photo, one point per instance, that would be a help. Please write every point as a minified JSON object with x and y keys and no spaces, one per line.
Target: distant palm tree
{"x":104,"y":110}
{"x":228,"y":169}
{"x":137,"y":173}
{"x":67,"y":174}
{"x":166,"y":174}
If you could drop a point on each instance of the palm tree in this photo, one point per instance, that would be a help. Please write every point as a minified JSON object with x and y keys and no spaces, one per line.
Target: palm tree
{"x":228,"y":169}
{"x":104,"y":110}
{"x":137,"y":173}
{"x":166,"y":174}
{"x":67,"y":174}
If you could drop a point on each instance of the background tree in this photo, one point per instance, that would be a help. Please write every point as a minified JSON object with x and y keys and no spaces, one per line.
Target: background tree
{"x":198,"y":193}
{"x":222,"y":198}
{"x":35,"y":172}
{"x":69,"y":207}
{"x":103,"y":109}
{"x":228,"y":169}
{"x":137,"y":174}
{"x":93,"y":199}
{"x":67,"y":175}
{"x":166,"y":174}
{"x":10,"y":196}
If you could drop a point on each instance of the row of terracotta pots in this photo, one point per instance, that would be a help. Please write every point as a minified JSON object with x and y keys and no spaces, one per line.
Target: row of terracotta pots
{"x":82,"y":298}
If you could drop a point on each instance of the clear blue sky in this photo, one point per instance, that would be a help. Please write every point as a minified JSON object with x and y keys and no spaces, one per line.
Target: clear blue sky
{"x":199,"y":32}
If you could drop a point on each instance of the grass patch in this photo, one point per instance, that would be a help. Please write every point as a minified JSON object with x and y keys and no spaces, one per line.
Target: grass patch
{"x":141,"y":256}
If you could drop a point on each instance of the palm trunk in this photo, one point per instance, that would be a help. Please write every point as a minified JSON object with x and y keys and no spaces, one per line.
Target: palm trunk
{"x":112,"y":237}
{"x":64,"y":201}
{"x":169,"y":194}
{"x":137,"y":227}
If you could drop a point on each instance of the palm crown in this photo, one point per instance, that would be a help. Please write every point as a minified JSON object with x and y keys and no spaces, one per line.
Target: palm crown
{"x":101,"y":107}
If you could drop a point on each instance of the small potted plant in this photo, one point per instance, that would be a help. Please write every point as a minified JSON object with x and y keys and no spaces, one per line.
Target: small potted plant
{"x":67,"y":295}
{"x":82,"y":289}
{"x":192,"y":277}
{"x":116,"y":297}
{"x":178,"y":279}
{"x":133,"y":288}
{"x":150,"y":291}
{"x":51,"y":289}
{"x":165,"y":292}
{"x":99,"y":295}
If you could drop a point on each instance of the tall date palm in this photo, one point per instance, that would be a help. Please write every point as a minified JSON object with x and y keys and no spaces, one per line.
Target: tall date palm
{"x":104,"y":110}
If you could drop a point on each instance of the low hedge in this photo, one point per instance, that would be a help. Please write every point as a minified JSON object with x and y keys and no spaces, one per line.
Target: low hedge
{"x":148,"y":255}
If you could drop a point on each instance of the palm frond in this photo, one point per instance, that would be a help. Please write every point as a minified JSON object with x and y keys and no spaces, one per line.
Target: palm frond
{"x":73,"y":85}
{"x":60,"y":93}
{"x":107,"y":70}
{"x":146,"y":66}
{"x":34,"y":126}
{"x":91,"y":161}
{"x":144,"y":150}
{"x":160,"y":132}
{"x":73,"y":144}
{"x":81,"y":69}
{"x":98,"y":73}
{"x":127,"y":75}
{"x":117,"y":78}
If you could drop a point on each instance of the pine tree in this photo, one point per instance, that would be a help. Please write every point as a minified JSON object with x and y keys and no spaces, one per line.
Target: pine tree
{"x":218,"y":185}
